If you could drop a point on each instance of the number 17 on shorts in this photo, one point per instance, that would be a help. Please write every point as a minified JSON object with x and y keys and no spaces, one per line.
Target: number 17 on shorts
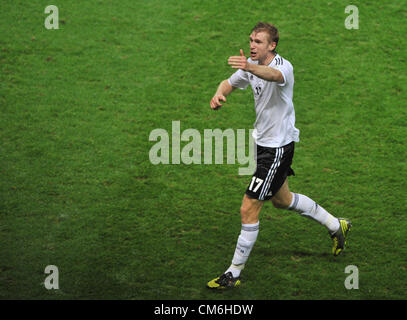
{"x":255,"y":184}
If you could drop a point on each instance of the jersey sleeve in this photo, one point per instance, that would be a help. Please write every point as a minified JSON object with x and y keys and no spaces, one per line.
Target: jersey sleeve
{"x":239,"y":79}
{"x":286,"y":70}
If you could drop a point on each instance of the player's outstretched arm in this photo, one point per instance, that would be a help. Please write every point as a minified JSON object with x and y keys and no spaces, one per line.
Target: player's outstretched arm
{"x":261,"y":71}
{"x":266,"y":72}
{"x":223,"y":91}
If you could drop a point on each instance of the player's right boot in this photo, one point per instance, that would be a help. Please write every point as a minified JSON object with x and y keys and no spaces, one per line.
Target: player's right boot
{"x":339,"y":237}
{"x":226,"y":280}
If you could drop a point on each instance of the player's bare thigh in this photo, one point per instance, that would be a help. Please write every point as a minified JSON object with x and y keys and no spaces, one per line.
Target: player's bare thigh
{"x":282,"y":199}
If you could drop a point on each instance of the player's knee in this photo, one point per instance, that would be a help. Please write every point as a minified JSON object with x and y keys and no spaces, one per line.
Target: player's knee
{"x":244,"y":211}
{"x":249,"y":211}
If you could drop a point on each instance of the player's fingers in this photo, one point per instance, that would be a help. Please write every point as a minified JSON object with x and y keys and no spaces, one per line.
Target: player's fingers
{"x":217,"y":103}
{"x":215,"y":107}
{"x":235,"y":63}
{"x":213,"y":103}
{"x":241,"y":53}
{"x":237,"y":60}
{"x":234,"y":58}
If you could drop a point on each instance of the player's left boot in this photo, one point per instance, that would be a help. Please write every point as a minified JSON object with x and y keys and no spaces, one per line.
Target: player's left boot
{"x":226,"y":280}
{"x":339,"y":237}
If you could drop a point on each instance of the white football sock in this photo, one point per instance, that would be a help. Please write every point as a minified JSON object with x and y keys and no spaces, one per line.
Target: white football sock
{"x":245,"y":243}
{"x":310,"y":209}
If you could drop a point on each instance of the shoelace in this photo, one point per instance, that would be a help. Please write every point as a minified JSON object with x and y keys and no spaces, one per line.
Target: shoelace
{"x":224,"y":279}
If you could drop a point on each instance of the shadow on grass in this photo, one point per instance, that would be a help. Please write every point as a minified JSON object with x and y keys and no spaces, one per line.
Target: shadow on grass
{"x":300,"y":253}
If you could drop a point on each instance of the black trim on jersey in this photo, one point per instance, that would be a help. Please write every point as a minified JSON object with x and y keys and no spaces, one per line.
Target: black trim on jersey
{"x":279,"y":60}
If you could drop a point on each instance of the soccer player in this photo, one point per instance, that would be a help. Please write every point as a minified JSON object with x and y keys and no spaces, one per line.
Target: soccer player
{"x":272,"y":80}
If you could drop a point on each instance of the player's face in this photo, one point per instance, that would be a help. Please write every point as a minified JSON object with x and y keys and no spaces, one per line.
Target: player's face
{"x":260,"y":47}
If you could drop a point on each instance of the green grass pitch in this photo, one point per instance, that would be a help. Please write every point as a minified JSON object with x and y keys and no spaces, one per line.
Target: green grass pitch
{"x":77,"y":188}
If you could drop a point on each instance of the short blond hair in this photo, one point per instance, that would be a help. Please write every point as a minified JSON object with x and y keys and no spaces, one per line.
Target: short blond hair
{"x":270,"y":29}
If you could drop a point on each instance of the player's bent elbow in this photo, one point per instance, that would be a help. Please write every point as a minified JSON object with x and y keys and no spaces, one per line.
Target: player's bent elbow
{"x":227,"y":86}
{"x":278,"y":76}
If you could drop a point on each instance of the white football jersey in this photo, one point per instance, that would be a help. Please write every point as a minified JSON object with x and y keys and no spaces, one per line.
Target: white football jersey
{"x":275,"y":115}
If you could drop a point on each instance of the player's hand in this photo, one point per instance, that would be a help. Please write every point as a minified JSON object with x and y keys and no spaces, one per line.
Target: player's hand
{"x":238,"y":62}
{"x":215,"y":101}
